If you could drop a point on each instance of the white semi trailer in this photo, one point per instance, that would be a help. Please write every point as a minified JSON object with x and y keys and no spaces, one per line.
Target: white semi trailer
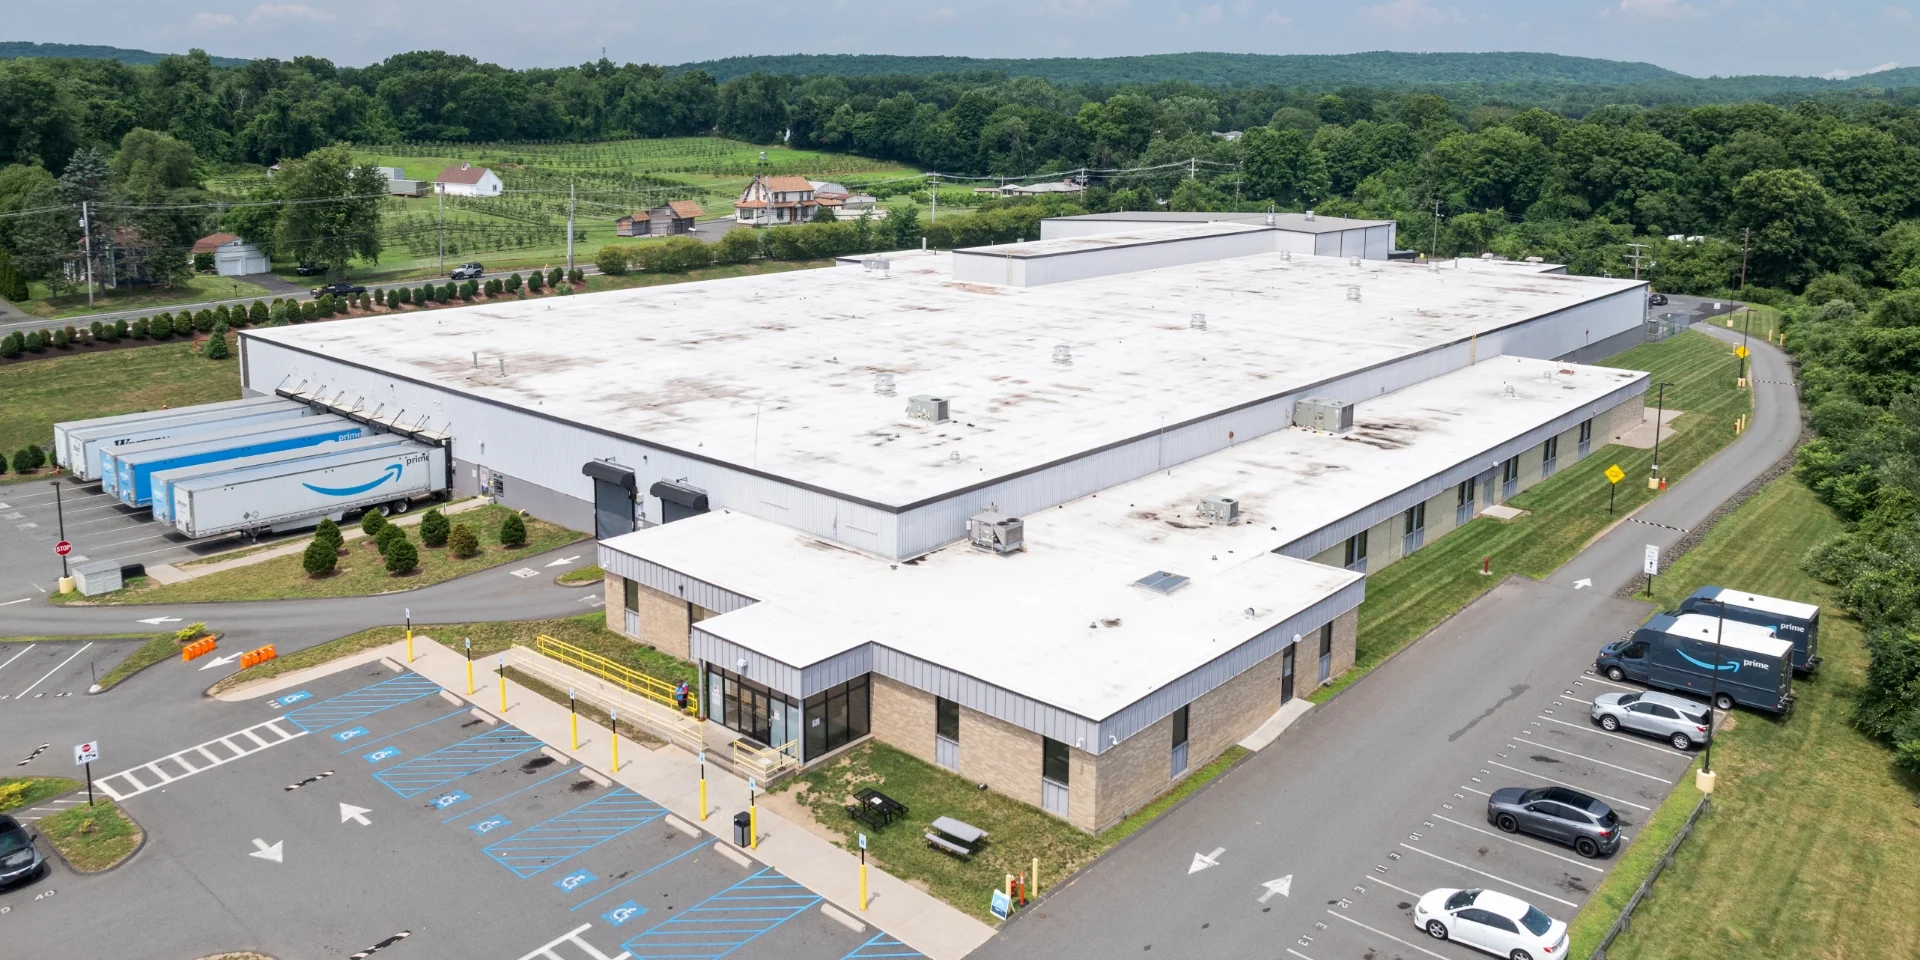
{"x":78,"y":443}
{"x":292,"y":495}
{"x":163,"y":482}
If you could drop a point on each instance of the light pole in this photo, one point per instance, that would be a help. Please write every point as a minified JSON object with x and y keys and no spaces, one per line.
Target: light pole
{"x":1713,"y":685}
{"x":1746,"y":328}
{"x":1659,"y":415}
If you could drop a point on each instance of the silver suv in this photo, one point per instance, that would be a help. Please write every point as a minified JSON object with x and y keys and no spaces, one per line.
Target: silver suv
{"x":1677,"y":720}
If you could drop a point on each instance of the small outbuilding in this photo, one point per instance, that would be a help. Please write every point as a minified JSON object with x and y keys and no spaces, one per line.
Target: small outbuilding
{"x":233,"y":256}
{"x":467,"y":180}
{"x":668,"y":219}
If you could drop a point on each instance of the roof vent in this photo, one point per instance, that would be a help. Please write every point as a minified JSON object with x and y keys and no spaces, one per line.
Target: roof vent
{"x":1309,"y":214}
{"x":1063,"y":354}
{"x":1507,"y":392}
{"x":1220,"y":511}
{"x":1198,"y":321}
{"x":1324,"y":414}
{"x":1162,"y":582}
{"x":1536,"y":259}
{"x":995,"y":533}
{"x":1272,"y":220}
{"x":1353,"y":293}
{"x":878,"y":266}
{"x":923,"y":406}
{"x":883,"y":384}
{"x":1353,"y":261}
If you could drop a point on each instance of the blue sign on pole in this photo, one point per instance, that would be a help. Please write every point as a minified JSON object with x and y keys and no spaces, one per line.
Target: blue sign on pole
{"x":622,"y":913}
{"x":574,"y":881}
{"x":384,"y":753}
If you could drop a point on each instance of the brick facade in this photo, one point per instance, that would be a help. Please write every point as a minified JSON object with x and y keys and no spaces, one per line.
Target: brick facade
{"x":902,"y":716}
{"x":665,"y":622}
{"x":1626,"y":416}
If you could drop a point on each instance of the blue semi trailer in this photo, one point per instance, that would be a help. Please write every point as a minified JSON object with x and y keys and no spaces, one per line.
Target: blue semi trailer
{"x":135,"y":468}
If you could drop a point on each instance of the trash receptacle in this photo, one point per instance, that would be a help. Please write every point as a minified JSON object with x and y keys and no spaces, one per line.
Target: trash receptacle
{"x":742,"y":826}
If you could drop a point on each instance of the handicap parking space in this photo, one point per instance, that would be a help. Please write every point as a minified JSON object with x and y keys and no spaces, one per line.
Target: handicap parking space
{"x":55,"y":672}
{"x":1453,"y":845}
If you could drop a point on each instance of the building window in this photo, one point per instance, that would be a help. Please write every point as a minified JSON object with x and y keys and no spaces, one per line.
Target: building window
{"x":1463,"y":496}
{"x":1586,"y":436}
{"x":837,"y":716}
{"x":1509,"y":477}
{"x":751,"y":709}
{"x":1053,"y":760}
{"x":1357,"y":552}
{"x":946,"y":733}
{"x":1179,"y":741}
{"x":632,"y":591}
{"x":1326,"y":651}
{"x":1549,"y":453}
{"x":1415,"y":532}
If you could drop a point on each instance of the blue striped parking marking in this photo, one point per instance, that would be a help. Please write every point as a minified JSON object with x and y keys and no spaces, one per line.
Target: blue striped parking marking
{"x":365,"y":701}
{"x":696,"y":848}
{"x":290,"y":698}
{"x":574,"y":832}
{"x":881,"y":945}
{"x":447,"y":764}
{"x":448,"y":799}
{"x":384,"y":753}
{"x":726,"y":921}
{"x":501,"y":797}
{"x":390,"y":736}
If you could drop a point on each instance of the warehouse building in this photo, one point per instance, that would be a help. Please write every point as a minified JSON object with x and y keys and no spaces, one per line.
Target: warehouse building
{"x":1069,"y":517}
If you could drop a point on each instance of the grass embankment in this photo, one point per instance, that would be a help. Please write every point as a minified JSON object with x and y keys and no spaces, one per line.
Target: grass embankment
{"x":92,"y":838}
{"x":1407,"y":598}
{"x":82,"y":385}
{"x":157,"y":648}
{"x":587,"y":574}
{"x":361,"y":571}
{"x":1813,"y":846}
{"x":194,"y":290}
{"x":1018,"y":832}
{"x":18,"y":792}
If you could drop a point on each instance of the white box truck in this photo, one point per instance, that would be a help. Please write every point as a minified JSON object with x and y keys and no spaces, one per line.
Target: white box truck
{"x":292,"y":495}
{"x":78,"y":442}
{"x":163,"y":481}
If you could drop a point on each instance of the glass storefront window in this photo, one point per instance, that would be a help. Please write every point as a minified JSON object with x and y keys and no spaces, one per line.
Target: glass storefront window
{"x":750,"y":708}
{"x":837,"y":716}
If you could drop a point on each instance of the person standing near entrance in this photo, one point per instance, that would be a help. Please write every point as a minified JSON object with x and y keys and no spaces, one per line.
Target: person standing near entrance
{"x":680,"y":695}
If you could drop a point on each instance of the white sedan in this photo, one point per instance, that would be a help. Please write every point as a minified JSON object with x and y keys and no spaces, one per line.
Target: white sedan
{"x":1494,"y":922}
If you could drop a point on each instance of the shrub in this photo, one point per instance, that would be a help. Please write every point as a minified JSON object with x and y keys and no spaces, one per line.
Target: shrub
{"x":325,"y":306}
{"x":309,"y":311}
{"x":468,"y":290}
{"x":120,"y":328}
{"x":140,"y":327}
{"x":217,"y":343}
{"x":34,"y":343}
{"x":612,"y":261}
{"x":402,"y":558}
{"x":563,"y":289}
{"x":372,"y":521}
{"x":203,"y":262}
{"x":222,"y":315}
{"x":319,"y":558}
{"x":577,"y":275}
{"x":380,"y":296}
{"x":462,"y":543}
{"x":674,"y":255}
{"x":258,"y":313}
{"x":203,"y":321}
{"x":61,"y":338}
{"x":23,"y":460}
{"x":12,"y":344}
{"x":433,"y":528}
{"x":159,"y":328}
{"x":329,"y":532}
{"x":424,"y":295}
{"x":445,"y":293}
{"x":513,"y":532}
{"x":737,"y":246}
{"x":277,"y":314}
{"x":553,"y":276}
{"x":534,"y":281}
{"x":95,"y":327}
{"x":387,"y":537}
{"x":3,"y":464}
{"x":513,"y":284}
{"x":183,"y":324}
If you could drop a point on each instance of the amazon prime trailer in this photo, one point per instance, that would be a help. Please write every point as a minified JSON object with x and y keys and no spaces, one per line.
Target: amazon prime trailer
{"x":295,"y":494}
{"x":78,"y":443}
{"x":135,"y":466}
{"x":163,"y":481}
{"x":1788,"y":619}
{"x":1731,"y":663}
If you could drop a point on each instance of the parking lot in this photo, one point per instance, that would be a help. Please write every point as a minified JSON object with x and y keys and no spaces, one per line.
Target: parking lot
{"x":1454,"y":845}
{"x":48,"y":672}
{"x":370,"y":804}
{"x":98,"y":525}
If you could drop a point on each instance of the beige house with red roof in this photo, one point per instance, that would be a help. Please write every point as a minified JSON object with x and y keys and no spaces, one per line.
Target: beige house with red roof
{"x":467,"y":180}
{"x":775,"y":200}
{"x":667,"y":219}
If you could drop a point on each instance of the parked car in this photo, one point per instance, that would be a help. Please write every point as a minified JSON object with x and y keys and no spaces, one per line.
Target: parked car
{"x":1559,"y":814}
{"x":1657,"y":300}
{"x":20,"y":860}
{"x":308,"y":268}
{"x":1501,"y":925}
{"x":339,"y":289}
{"x":468,"y":271}
{"x":1677,"y":720}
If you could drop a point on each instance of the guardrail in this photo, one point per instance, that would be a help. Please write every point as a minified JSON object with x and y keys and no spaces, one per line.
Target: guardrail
{"x":662,"y":720}
{"x":1625,"y":919}
{"x":633,"y":680}
{"x":764,"y":764}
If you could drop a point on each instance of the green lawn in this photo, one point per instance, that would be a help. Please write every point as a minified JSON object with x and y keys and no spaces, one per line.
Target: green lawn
{"x":160,"y":647}
{"x":82,"y":385}
{"x":587,"y":574}
{"x":596,"y":284}
{"x":360,"y":571}
{"x":194,"y":290}
{"x":1813,"y":846}
{"x":18,"y":792}
{"x":1407,"y":598}
{"x":92,"y":838}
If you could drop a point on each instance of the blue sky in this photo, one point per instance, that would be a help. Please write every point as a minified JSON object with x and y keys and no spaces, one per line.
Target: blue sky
{"x":1700,"y":37}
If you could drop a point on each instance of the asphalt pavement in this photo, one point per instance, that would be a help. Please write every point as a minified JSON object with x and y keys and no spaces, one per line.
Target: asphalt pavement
{"x":1346,"y":808}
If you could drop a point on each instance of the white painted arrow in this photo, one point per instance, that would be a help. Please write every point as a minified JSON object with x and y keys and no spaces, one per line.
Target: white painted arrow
{"x":1281,"y":886}
{"x":156,"y":621}
{"x":1201,"y":861}
{"x":266,"y":851}
{"x":1582,"y":582}
{"x":357,"y":814}
{"x":217,"y":661}
{"x":563,"y":561}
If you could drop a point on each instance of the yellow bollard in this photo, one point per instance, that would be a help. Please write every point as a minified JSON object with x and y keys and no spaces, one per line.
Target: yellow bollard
{"x":573,"y":719}
{"x":469,"y":666}
{"x":703,"y":784}
{"x":863,"y":878}
{"x":502,"y":661}
{"x":753,"y":817}
{"x":1036,"y":877}
{"x":613,"y":732}
{"x":409,"y":644}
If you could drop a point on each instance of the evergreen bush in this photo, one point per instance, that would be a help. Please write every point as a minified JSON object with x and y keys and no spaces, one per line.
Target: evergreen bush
{"x":202,"y":321}
{"x":309,"y":311}
{"x":217,"y":342}
{"x":319,"y":558}
{"x":60,"y":338}
{"x":535,"y":281}
{"x":372,"y":521}
{"x":434,"y":528}
{"x":387,"y":537}
{"x":258,"y":313}
{"x":34,"y":344}
{"x":277,"y":314}
{"x":183,"y":324}
{"x":139,"y":328}
{"x":553,"y":276}
{"x":612,"y":261}
{"x":222,"y":315}
{"x":462,"y":543}
{"x":513,"y":532}
{"x":120,"y":328}
{"x":12,"y":344}
{"x":402,"y":558}
{"x":330,"y":532}
{"x":159,"y":328}
{"x":23,"y":461}
{"x":513,"y":284}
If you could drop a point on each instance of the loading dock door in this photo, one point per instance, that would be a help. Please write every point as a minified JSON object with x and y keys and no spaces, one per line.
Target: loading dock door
{"x":679,"y":501}
{"x":613,"y":494}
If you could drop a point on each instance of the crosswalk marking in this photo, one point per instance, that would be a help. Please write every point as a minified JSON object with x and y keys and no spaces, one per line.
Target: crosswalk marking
{"x":137,"y":780}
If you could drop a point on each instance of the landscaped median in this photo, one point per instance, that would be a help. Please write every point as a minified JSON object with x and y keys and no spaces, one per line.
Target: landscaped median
{"x":20,"y":792}
{"x":360,"y":570}
{"x":92,"y":838}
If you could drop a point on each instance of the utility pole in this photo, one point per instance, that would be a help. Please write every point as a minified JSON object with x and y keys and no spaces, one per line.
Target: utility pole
{"x":1746,"y":234}
{"x":1433,"y":252}
{"x":86,"y":231}
{"x":1636,"y":256}
{"x":442,"y":200}
{"x":1191,"y":163}
{"x":603,"y":53}
{"x":933,"y":194}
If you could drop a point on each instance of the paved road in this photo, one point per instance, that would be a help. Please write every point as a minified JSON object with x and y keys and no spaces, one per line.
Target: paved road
{"x":1338,"y":801}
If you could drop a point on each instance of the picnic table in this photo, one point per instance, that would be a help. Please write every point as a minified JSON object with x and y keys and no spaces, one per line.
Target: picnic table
{"x":954,"y":836}
{"x":875,"y":809}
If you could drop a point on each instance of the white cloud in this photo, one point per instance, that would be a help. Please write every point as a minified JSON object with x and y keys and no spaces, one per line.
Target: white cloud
{"x":1661,"y":9}
{"x":283,"y":12}
{"x":1408,"y":14}
{"x":1850,"y":74}
{"x":1897,"y":14}
{"x":211,"y":21}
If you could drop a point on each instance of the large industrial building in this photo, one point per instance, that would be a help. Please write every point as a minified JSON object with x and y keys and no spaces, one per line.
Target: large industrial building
{"x":1068,"y":517}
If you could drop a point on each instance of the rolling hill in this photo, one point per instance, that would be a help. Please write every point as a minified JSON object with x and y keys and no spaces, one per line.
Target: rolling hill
{"x":10,"y":49}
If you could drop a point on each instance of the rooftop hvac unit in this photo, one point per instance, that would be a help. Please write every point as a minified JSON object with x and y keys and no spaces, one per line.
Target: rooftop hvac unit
{"x":1221,"y":511}
{"x":1324,"y":414}
{"x":878,"y":266}
{"x":927,"y":407}
{"x":995,"y":533}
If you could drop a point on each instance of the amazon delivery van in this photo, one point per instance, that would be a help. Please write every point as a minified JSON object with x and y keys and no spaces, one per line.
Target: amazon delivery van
{"x":1734,"y":663}
{"x":1791,"y":619}
{"x":293,"y":495}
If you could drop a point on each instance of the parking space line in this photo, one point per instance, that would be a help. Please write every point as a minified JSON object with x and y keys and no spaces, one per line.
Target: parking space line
{"x":55,"y":670}
{"x":696,"y":848}
{"x":1390,"y":886}
{"x":573,"y":937}
{"x":1472,"y":790}
{"x":563,"y":837}
{"x":503,"y":796}
{"x":1521,"y":844}
{"x":882,"y":945}
{"x":1603,"y":763}
{"x":1669,"y":751}
{"x":1599,"y":679}
{"x":1569,"y":696}
{"x":1297,"y":953}
{"x":1389,"y":936}
{"x":1495,"y":877}
{"x":726,"y":921}
{"x":17,"y":656}
{"x":1564,"y":783}
{"x":362,"y":703}
{"x":367,"y":743}
{"x":447,"y":764}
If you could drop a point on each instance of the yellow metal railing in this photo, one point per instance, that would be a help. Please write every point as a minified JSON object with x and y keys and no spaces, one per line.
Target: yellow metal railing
{"x":767,"y":762}
{"x":650,"y":687}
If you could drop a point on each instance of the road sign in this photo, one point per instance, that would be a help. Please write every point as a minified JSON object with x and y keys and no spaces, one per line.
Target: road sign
{"x":1652,"y":564}
{"x":863,"y":841}
{"x":1740,"y":352}
{"x":1615,"y":474}
{"x":1002,"y":904}
{"x":85,"y":753}
{"x":63,"y":548}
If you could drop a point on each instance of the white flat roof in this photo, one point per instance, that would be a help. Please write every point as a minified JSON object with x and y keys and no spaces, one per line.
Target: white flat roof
{"x":1026,"y":623}
{"x":1732,"y":634}
{"x":1295,"y":222}
{"x":777,"y":372}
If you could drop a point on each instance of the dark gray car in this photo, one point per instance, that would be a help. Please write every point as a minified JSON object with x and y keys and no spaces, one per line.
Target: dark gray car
{"x":19,"y":859}
{"x":1558,"y":814}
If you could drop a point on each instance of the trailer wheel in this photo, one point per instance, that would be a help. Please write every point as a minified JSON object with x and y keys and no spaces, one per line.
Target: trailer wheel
{"x":1616,"y":674}
{"x":402,"y":506}
{"x":1723,"y":702}
{"x":380,"y":509}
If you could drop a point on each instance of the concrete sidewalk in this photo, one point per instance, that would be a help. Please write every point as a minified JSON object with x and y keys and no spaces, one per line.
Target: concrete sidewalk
{"x":670,"y":777}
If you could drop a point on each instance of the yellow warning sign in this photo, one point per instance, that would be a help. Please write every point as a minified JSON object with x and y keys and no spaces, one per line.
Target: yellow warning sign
{"x":1615,"y":474}
{"x":1740,"y":352}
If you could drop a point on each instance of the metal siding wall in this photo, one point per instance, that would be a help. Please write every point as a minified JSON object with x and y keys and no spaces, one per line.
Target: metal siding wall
{"x":1379,"y":242}
{"x":760,"y":668}
{"x":1327,"y":244}
{"x":672,"y":582}
{"x":838,"y":668}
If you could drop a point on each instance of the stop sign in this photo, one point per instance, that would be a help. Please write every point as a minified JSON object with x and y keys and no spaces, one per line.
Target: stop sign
{"x":63,"y":548}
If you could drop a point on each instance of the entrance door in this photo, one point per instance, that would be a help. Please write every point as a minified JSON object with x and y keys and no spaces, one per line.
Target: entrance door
{"x":679,"y":501}
{"x":613,"y":490}
{"x":1286,"y":673}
